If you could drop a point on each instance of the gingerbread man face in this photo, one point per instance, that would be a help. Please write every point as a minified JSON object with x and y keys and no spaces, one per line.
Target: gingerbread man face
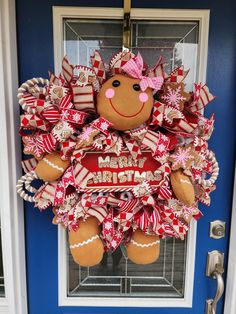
{"x":122,"y":102}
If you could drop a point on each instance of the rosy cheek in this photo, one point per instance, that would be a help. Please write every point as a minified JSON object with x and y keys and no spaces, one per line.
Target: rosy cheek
{"x":109,"y":93}
{"x":143,"y":97}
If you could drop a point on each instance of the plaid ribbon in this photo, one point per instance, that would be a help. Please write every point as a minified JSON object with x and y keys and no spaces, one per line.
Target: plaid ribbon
{"x":98,"y":66}
{"x":134,"y":68}
{"x":112,"y":235}
{"x":157,"y":142}
{"x":92,"y":207}
{"x":44,"y":197}
{"x":119,"y":60}
{"x":177,"y":75}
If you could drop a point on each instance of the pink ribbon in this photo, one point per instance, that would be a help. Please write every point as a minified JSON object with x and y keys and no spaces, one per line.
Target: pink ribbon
{"x":134,"y":68}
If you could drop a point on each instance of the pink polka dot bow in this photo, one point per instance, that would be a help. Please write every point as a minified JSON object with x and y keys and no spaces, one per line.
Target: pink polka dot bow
{"x":134,"y":68}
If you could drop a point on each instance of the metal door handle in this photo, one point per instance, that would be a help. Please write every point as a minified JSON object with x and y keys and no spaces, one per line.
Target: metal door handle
{"x":217,"y":258}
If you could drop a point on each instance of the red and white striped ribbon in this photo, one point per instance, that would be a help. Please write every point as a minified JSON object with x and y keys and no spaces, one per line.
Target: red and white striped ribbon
{"x":202,"y":97}
{"x":29,"y":164}
{"x":83,"y":97}
{"x":82,"y":176}
{"x":67,"y":69}
{"x":98,"y":66}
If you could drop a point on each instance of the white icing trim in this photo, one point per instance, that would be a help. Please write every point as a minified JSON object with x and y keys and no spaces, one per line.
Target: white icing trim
{"x":145,"y":244}
{"x":80,"y":244}
{"x":184,"y":181}
{"x":53,"y":165}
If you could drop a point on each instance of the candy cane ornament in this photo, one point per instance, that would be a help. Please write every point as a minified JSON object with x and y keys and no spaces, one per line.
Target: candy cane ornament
{"x":215,"y":170}
{"x":25,"y":95}
{"x":24,"y":184}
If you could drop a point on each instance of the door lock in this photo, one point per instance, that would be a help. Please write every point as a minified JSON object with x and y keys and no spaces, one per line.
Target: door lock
{"x":215,"y":269}
{"x":217,"y":229}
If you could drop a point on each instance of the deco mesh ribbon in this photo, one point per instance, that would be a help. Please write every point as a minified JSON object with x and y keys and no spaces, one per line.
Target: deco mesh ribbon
{"x":60,"y":117}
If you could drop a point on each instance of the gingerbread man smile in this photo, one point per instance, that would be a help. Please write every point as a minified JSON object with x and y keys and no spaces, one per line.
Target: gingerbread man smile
{"x":123,"y":115}
{"x":129,"y":106}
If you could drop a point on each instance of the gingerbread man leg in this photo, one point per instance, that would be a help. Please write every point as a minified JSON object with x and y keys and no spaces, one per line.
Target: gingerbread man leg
{"x":182,"y":187}
{"x":85,"y":244}
{"x":143,"y":249}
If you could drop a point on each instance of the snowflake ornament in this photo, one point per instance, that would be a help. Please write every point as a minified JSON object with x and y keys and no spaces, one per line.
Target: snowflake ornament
{"x":77,"y":117}
{"x":108,"y":225}
{"x":182,"y":158}
{"x":175,"y":96}
{"x":65,"y":115}
{"x":86,"y":137}
{"x":104,"y":126}
{"x":31,"y":146}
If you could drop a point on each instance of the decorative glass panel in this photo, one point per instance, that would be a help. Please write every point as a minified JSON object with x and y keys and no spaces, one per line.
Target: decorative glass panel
{"x":177,"y":42}
{"x":117,"y":276}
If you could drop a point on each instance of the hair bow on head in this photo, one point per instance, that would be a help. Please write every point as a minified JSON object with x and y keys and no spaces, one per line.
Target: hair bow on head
{"x":134,"y":68}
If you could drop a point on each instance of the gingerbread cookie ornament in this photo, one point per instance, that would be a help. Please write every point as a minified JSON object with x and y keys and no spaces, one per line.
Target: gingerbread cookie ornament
{"x":126,"y":101}
{"x":143,"y":248}
{"x":85,"y":239}
{"x":115,"y":165}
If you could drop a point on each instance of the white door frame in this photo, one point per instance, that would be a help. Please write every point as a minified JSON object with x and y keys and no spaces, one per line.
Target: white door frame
{"x":230,"y":293}
{"x":11,"y":207}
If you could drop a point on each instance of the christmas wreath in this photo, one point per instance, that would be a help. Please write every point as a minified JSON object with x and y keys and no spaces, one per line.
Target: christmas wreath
{"x":120,"y":152}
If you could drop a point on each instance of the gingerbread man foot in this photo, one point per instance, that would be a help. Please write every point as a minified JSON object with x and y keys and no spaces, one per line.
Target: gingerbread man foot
{"x":143,"y":249}
{"x":85,"y":244}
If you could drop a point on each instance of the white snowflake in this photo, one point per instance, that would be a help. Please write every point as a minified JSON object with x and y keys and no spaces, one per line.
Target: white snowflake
{"x":31,"y":146}
{"x":77,"y":117}
{"x":102,"y":201}
{"x":108,"y":225}
{"x":173,"y":97}
{"x":59,"y":194}
{"x":104,"y":126}
{"x":181,"y":157}
{"x":61,"y":184}
{"x":161,"y":147}
{"x":65,"y":114}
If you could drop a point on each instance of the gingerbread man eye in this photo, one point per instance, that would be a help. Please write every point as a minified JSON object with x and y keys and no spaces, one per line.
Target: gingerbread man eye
{"x":136,"y":87}
{"x":116,"y":83}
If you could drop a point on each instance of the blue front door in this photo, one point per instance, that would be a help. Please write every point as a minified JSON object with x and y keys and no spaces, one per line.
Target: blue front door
{"x":35,"y":53}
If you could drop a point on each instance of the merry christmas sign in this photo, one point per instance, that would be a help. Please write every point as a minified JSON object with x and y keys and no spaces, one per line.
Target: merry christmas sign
{"x":121,"y":173}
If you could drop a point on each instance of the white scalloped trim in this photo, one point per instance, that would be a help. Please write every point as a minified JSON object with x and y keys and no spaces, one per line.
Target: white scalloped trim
{"x":145,"y":244}
{"x":53,"y":165}
{"x":185,"y":181}
{"x":80,"y":244}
